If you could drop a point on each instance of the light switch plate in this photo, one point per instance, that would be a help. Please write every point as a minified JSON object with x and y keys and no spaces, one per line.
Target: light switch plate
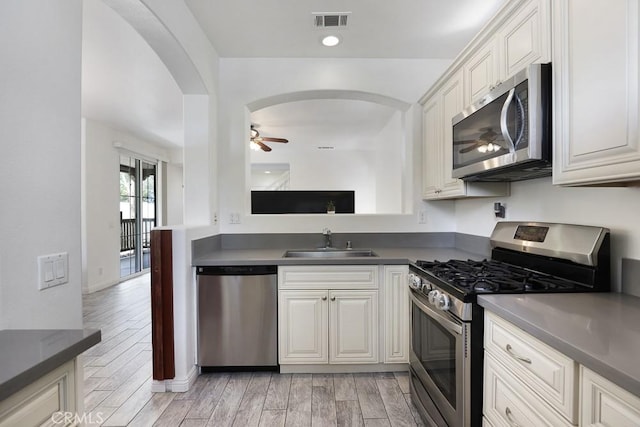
{"x":53,"y":270}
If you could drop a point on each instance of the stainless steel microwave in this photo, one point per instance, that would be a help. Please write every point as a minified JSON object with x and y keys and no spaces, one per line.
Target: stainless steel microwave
{"x":506,"y":136}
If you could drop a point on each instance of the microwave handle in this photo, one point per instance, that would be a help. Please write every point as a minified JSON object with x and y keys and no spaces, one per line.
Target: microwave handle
{"x":503,"y":121}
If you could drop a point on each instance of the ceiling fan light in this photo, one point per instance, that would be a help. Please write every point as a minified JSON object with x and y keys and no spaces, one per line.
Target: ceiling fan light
{"x":254,"y":146}
{"x":330,"y":41}
{"x":254,"y":133}
{"x":483,"y":148}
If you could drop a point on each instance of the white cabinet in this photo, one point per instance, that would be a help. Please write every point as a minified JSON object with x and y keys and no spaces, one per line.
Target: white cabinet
{"x":595,"y":107}
{"x":353,"y":326}
{"x":438,"y":147}
{"x":526,"y":381}
{"x":328,"y":314}
{"x":525,"y":38}
{"x":547,"y":372}
{"x":520,"y":39}
{"x":509,"y":402}
{"x":395,"y":297}
{"x":604,"y":404}
{"x":481,"y":72}
{"x":37,"y":403}
{"x":303,"y":326}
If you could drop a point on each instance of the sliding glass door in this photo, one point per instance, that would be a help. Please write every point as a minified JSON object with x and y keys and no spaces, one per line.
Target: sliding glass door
{"x":137,"y":213}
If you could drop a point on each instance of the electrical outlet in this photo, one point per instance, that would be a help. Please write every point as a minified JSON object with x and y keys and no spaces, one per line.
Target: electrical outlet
{"x":422,"y":217}
{"x":215,"y":218}
{"x":234,"y":218}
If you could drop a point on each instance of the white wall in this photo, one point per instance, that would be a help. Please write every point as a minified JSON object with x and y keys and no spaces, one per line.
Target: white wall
{"x":102,"y":198}
{"x":539,"y":200}
{"x":389,"y":159}
{"x":40,"y":133}
{"x":246,"y":80}
{"x":175,"y":197}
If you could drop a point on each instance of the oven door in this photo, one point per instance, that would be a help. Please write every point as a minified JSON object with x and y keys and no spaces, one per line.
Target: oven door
{"x":439,"y":360}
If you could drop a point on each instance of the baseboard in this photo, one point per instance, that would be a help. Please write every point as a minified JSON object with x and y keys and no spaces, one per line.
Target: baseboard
{"x":95,"y":287}
{"x":343,"y":369}
{"x":182,"y":385}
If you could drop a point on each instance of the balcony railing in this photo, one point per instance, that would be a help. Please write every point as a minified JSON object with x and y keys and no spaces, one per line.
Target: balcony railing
{"x":128,"y":233}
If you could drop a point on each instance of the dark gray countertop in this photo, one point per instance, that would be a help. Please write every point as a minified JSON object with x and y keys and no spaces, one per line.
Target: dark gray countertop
{"x":27,"y":355}
{"x":275,"y":257}
{"x":598,"y":330}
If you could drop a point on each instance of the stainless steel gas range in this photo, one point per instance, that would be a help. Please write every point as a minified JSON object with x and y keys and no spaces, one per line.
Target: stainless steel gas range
{"x":447,"y":324}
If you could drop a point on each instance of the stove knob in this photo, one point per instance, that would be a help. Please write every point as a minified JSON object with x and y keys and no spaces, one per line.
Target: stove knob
{"x":444,"y":302}
{"x":434,"y":296}
{"x":415,"y":282}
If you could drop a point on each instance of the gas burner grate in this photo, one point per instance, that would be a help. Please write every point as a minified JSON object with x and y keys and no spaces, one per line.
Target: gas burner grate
{"x":489,"y":276}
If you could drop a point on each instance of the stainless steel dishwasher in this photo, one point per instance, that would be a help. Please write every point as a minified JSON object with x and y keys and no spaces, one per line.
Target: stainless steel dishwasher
{"x":237,"y":316}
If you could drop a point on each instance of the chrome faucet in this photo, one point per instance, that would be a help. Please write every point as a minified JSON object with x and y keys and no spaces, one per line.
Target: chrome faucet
{"x":327,"y":237}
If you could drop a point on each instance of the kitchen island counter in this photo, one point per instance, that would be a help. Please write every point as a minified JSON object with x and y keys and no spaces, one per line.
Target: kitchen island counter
{"x":27,"y":355}
{"x":598,"y":330}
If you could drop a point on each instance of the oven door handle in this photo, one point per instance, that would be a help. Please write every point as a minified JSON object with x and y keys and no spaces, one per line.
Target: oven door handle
{"x":447,"y":323}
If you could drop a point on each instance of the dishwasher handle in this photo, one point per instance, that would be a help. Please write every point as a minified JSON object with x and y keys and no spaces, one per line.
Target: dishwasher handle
{"x":237,"y":270}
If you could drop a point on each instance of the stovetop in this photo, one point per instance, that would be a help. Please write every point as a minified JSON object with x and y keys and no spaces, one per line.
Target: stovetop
{"x":471,"y":277}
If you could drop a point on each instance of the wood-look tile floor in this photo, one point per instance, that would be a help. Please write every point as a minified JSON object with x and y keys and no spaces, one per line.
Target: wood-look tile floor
{"x":118,"y":382}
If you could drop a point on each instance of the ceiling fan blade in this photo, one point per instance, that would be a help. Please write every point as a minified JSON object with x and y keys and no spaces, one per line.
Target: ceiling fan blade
{"x":263,"y":146}
{"x":266,"y":138}
{"x":468,"y":141}
{"x":470,"y":148}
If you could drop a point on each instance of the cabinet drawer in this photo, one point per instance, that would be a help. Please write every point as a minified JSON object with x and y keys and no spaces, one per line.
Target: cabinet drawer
{"x":328,"y":277}
{"x":606,"y":404}
{"x":508,"y":402}
{"x":548,"y":372}
{"x":35,"y":404}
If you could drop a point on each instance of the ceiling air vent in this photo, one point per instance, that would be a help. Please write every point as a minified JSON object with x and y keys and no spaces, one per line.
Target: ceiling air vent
{"x":330,"y":20}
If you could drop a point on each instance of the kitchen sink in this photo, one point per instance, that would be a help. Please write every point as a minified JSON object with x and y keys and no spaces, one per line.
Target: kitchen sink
{"x":329,"y":253}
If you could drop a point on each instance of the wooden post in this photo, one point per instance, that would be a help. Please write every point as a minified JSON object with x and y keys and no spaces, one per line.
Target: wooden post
{"x":162,"y":305}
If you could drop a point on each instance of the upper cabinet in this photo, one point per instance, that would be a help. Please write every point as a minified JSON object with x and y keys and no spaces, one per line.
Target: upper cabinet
{"x":438,"y":148}
{"x":517,"y":36}
{"x":525,"y":38}
{"x":595,"y":74}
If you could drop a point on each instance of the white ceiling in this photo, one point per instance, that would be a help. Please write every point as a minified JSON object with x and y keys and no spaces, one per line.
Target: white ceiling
{"x":126,"y":85}
{"x":375,"y":29}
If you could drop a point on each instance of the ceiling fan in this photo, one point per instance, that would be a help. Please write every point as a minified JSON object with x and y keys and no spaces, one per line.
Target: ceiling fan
{"x":484,"y":143}
{"x":257,"y":141}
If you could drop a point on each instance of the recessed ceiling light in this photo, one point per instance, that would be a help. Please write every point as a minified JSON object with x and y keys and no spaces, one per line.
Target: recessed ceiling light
{"x":330,"y":40}
{"x":267,"y":171}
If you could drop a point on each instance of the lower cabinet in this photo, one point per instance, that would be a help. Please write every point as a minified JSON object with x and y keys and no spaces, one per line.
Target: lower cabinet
{"x":337,"y":326}
{"x":396,"y":307}
{"x":528,"y":383}
{"x":41,"y":402}
{"x":604,"y":404}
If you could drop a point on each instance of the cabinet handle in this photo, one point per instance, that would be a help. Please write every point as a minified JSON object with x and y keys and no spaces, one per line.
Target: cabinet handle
{"x":333,"y":298}
{"x":510,"y":417}
{"x":515,"y":356}
{"x":324,"y":298}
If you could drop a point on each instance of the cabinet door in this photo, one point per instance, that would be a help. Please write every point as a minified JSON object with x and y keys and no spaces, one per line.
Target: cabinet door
{"x":353,"y":326}
{"x":396,"y":314}
{"x":303,"y":327}
{"x":605,"y":404}
{"x":431,"y":148}
{"x":451,"y":101}
{"x":481,"y":72}
{"x":595,"y":76}
{"x":525,"y":38}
